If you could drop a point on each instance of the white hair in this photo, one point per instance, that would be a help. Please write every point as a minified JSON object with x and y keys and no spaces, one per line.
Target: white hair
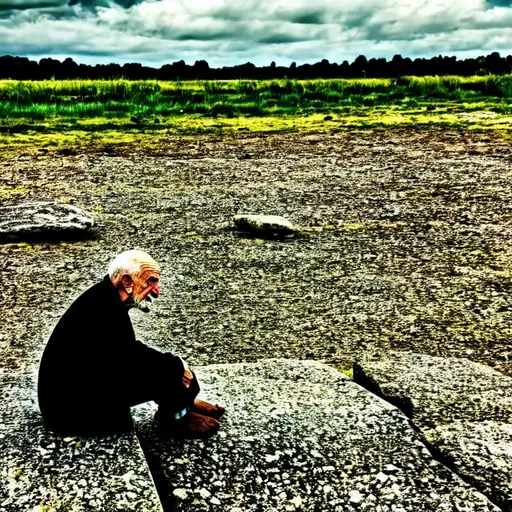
{"x":129,"y":262}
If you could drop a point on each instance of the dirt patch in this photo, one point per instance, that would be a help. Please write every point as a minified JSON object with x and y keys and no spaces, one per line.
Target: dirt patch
{"x":406,"y":245}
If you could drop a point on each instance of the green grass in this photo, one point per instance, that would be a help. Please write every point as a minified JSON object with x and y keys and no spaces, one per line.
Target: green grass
{"x":37,"y":100}
{"x":76,"y":112}
{"x":349,"y":372}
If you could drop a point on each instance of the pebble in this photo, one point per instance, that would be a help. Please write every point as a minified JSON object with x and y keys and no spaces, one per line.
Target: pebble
{"x":204,"y":493}
{"x":355,"y":497}
{"x":297,"y":501}
{"x":180,"y":493}
{"x":382,"y":477}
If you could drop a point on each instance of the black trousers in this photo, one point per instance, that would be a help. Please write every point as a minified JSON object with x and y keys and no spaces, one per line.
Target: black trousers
{"x":169,"y":400}
{"x":91,"y":416}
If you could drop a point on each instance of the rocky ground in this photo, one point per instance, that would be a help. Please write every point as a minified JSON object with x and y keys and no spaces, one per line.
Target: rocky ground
{"x":405,"y":245}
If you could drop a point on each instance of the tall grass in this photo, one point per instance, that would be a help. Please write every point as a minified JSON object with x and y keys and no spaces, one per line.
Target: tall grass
{"x":37,"y":100}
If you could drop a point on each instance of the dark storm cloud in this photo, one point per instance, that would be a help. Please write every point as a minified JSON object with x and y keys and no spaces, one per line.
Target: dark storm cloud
{"x":43,"y":4}
{"x":30,"y":4}
{"x":203,"y":36}
{"x":92,"y":4}
{"x":279,"y":39}
{"x":14,"y":5}
{"x":500,"y":3}
{"x":308,"y":17}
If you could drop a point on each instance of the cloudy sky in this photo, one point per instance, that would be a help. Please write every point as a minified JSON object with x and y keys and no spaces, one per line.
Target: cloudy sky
{"x":228,"y":32}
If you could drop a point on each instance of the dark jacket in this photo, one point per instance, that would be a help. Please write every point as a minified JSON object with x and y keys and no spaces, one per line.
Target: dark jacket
{"x":93,"y":369}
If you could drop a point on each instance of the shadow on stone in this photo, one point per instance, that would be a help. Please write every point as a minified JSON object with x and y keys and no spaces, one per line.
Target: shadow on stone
{"x":49,"y":236}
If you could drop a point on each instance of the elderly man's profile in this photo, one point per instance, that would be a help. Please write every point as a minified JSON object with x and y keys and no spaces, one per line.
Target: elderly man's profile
{"x":93,"y":369}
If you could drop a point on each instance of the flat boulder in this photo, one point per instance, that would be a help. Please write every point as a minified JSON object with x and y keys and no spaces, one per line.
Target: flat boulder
{"x":299,"y":435}
{"x":40,"y":218}
{"x":463,"y":409}
{"x":44,"y":472}
{"x":264,"y":224}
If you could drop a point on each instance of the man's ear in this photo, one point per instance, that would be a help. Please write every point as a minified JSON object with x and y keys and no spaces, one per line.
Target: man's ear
{"x":127,"y":281}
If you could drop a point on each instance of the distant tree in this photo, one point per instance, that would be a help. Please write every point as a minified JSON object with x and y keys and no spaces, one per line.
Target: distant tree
{"x":376,"y":68}
{"x":344,"y":70}
{"x":113,"y":71}
{"x":495,"y":64}
{"x":135,"y":71}
{"x":132,"y":70}
{"x":247,"y":70}
{"x":201,"y":64}
{"x":323,"y":69}
{"x":21,"y":68}
{"x":69,"y":69}
{"x":166,"y":72}
{"x":180,"y":69}
{"x":508,"y":66}
{"x":18,"y":68}
{"x":201,"y":70}
{"x":359,"y":66}
{"x":49,"y":68}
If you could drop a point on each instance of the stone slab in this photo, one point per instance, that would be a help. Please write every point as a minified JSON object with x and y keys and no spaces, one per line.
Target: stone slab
{"x":37,"y":218}
{"x":43,"y":472}
{"x":298,"y":435}
{"x":464,"y":410}
{"x":263,"y":224}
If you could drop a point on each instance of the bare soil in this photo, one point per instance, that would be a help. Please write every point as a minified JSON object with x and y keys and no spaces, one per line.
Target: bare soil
{"x":405,"y":245}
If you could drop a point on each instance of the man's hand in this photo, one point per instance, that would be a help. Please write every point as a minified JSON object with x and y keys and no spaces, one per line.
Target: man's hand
{"x":187,"y":378}
{"x":187,"y":374}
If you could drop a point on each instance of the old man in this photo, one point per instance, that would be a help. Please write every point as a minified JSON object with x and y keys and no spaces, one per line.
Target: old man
{"x":93,"y":368}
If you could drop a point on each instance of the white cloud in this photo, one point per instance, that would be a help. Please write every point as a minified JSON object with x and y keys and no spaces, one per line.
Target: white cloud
{"x":227,"y":32}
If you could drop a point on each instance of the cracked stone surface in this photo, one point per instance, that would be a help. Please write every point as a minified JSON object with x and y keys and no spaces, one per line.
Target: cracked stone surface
{"x":300,"y":436}
{"x":42,"y":472}
{"x":464,"y":410}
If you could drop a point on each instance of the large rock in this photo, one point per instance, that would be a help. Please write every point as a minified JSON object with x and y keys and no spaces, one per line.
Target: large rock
{"x":43,"y":472}
{"x":42,"y":217}
{"x":264,"y":224}
{"x":301,"y":436}
{"x":464,"y":410}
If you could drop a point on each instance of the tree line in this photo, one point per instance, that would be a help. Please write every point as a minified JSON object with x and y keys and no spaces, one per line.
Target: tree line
{"x":21,"y":68}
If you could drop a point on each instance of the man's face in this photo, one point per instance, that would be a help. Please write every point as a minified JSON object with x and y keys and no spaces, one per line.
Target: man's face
{"x":146,"y":287}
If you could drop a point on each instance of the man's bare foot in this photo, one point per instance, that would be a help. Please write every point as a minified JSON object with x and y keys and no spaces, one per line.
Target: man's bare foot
{"x":197,"y":425}
{"x":193,"y":426}
{"x":207,"y":409}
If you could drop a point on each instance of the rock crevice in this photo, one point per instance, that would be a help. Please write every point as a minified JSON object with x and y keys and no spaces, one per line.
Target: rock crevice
{"x":462,"y":409}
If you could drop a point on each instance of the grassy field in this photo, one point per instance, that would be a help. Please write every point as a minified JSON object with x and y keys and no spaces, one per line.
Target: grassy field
{"x":77,"y":112}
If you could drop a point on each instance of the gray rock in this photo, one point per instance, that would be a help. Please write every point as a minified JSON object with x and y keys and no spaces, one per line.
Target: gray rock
{"x":40,"y":471}
{"x":298,"y":435}
{"x":481,"y":452}
{"x":41,"y":217}
{"x":266,"y":224}
{"x":463,"y":408}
